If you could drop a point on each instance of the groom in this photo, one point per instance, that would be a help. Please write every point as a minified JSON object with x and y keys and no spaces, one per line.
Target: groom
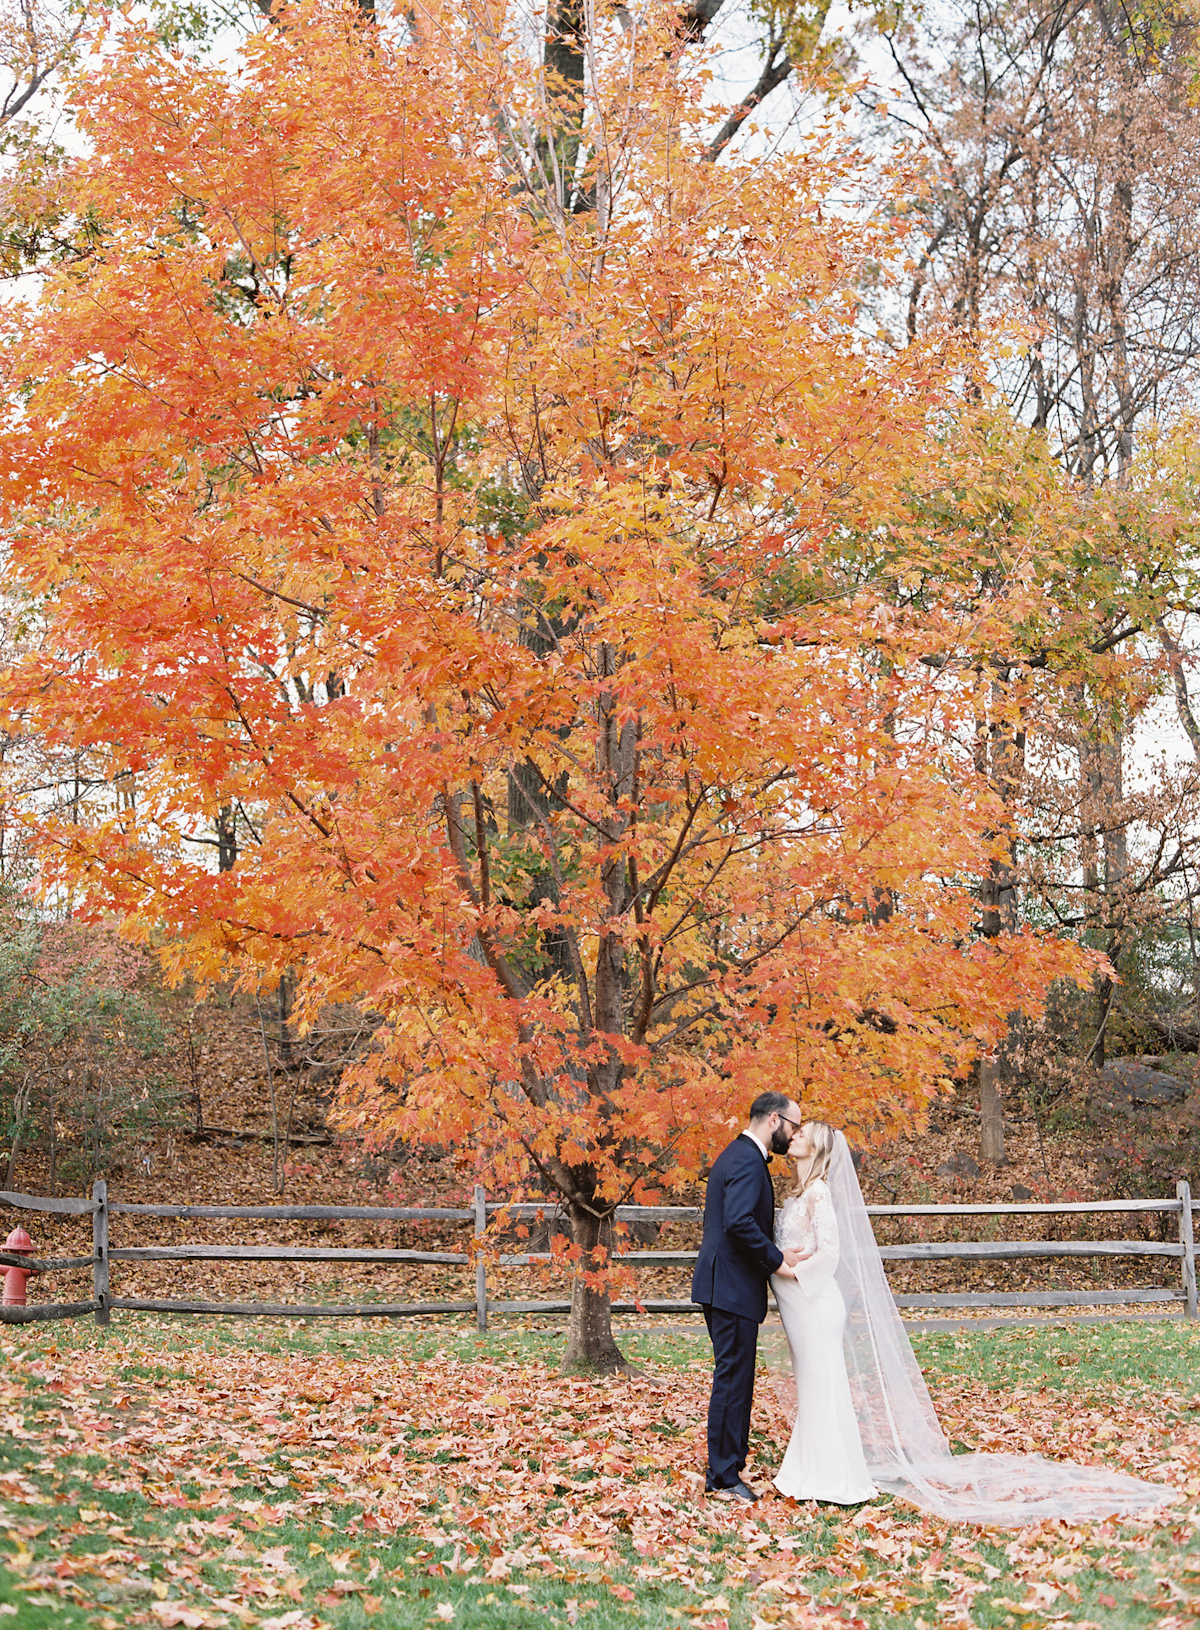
{"x":737,"y":1256}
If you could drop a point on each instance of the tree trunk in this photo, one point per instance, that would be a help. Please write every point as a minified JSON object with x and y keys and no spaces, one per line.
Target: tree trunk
{"x":1116,"y":844}
{"x":590,"y":1344}
{"x":1001,"y":752}
{"x":1091,"y":800}
{"x":287,"y":987}
{"x":991,"y":1110}
{"x":1116,"y":873}
{"x":227,"y":845}
{"x":53,"y":1122}
{"x":563,"y":48}
{"x":1101,"y":762}
{"x":20,"y":1110}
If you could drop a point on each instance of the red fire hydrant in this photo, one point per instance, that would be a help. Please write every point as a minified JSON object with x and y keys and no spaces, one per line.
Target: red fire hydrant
{"x":14,"y":1278}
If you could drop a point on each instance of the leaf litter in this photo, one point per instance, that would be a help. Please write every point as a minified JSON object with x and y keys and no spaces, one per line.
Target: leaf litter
{"x":288,"y":1490}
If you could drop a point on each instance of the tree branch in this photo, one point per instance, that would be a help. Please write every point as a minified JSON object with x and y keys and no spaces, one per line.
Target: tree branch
{"x":1183,"y":706}
{"x":773,"y":75}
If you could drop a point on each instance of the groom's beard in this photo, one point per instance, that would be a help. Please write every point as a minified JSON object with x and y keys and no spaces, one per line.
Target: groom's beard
{"x":780,"y":1140}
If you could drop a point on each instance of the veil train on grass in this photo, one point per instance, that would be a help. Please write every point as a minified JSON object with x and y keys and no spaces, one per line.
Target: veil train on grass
{"x":907,"y":1452}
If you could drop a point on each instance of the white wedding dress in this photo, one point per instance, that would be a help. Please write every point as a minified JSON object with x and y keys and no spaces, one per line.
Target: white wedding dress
{"x":864,"y":1418}
{"x":824,"y":1459}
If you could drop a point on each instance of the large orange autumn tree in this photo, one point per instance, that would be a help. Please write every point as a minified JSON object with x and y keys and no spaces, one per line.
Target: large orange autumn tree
{"x":437,"y":490}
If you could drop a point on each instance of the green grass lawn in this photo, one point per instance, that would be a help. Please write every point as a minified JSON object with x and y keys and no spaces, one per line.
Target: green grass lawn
{"x":297,"y":1476}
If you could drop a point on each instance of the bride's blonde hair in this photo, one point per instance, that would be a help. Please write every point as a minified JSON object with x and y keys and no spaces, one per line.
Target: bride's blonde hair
{"x":820,"y":1152}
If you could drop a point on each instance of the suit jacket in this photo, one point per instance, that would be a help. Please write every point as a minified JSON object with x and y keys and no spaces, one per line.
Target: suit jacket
{"x":738,"y":1253}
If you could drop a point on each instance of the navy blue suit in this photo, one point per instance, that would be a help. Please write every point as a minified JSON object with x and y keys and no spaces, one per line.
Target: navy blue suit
{"x":737,"y":1256}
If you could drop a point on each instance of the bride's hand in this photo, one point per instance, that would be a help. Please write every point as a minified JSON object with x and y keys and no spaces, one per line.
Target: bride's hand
{"x":795,"y":1254}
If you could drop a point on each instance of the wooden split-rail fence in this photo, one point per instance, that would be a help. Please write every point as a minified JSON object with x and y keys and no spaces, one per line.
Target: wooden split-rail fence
{"x":105,"y":1255}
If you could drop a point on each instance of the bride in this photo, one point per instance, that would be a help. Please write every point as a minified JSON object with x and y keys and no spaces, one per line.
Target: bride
{"x":824,"y":1459}
{"x":864,"y":1420}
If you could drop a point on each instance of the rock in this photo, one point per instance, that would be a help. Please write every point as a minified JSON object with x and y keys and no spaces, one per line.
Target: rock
{"x":1019,"y":1192}
{"x":958,"y":1166}
{"x":1125,"y":1085}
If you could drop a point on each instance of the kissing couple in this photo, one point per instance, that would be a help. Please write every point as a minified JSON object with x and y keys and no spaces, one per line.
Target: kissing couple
{"x":864,"y":1422}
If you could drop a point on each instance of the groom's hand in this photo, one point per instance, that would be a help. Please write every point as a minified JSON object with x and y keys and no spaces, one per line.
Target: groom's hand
{"x":785,"y":1269}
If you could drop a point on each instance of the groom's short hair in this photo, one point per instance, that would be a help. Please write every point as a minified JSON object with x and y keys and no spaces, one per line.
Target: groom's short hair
{"x":768,"y":1103}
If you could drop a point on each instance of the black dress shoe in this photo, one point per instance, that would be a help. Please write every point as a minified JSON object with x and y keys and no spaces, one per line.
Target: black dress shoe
{"x":736,"y":1491}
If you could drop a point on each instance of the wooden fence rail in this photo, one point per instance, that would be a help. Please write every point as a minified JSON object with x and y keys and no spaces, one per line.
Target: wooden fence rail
{"x":104,"y":1255}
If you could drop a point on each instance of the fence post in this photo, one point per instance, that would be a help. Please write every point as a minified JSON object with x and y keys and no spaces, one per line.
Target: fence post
{"x":480,"y":1270}
{"x":1184,"y":1190}
{"x":100,"y":1248}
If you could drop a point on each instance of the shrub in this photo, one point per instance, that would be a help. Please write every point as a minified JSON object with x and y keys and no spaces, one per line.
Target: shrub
{"x":76,"y":1035}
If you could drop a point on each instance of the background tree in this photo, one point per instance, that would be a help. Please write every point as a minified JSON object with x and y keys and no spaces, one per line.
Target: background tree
{"x":1062,"y":166}
{"x":340,"y":411}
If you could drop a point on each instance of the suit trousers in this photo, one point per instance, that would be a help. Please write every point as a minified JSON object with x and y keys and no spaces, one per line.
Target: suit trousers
{"x":735,"y":1352}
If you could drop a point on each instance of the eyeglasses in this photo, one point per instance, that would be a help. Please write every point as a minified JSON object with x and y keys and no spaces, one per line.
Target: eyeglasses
{"x":795,"y":1125}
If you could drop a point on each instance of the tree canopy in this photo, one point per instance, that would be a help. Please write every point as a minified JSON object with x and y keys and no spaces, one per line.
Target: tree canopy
{"x":484,"y":562}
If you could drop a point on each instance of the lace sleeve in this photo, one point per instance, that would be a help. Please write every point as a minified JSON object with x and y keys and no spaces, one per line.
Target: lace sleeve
{"x":815,"y":1272}
{"x":792,"y":1225}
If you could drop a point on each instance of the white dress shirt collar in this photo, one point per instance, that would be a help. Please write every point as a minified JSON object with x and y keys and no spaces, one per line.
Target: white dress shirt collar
{"x":766,"y":1153}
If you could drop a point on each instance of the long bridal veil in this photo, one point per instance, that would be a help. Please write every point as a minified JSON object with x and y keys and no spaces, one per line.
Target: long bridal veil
{"x":906,"y":1450}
